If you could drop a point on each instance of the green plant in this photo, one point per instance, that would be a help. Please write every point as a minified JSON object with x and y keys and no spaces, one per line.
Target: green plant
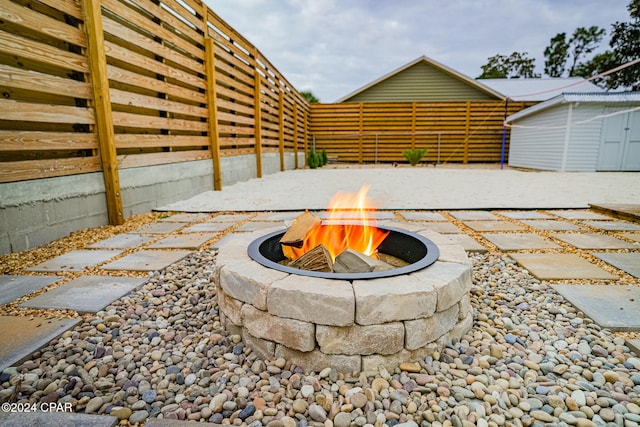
{"x":313,"y":159}
{"x":324,"y":157}
{"x":414,"y":155}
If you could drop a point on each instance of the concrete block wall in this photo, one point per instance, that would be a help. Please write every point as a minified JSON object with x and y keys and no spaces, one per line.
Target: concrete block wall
{"x":36,"y":212}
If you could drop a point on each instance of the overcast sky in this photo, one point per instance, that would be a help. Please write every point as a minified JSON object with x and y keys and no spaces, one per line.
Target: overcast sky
{"x":334,"y":47}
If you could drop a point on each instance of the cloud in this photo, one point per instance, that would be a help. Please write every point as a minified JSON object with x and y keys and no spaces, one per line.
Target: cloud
{"x":334,"y":47}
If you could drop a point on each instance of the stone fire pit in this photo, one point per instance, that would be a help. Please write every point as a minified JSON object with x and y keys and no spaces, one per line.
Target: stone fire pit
{"x":349,"y":325}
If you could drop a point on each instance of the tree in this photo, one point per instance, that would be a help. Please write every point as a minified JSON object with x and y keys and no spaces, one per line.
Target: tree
{"x":310,"y":97}
{"x":563,"y":58}
{"x":625,"y":45}
{"x":516,"y":65}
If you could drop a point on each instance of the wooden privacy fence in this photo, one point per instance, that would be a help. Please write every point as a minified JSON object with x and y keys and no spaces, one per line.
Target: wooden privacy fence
{"x":103,"y":85}
{"x":378,"y":132}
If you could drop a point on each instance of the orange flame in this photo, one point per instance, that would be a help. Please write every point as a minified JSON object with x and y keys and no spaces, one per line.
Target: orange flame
{"x":351,"y":224}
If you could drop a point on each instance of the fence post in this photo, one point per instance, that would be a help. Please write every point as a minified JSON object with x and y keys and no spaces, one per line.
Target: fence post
{"x":295,"y":135}
{"x":258,"y":123}
{"x":467,"y":125}
{"x":212,"y":103}
{"x":281,"y":128}
{"x":306,"y":136}
{"x":360,"y":130}
{"x":102,"y":104}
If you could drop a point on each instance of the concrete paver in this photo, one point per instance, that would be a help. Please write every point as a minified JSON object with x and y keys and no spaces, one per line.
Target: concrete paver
{"x":13,"y":287}
{"x":20,"y":336}
{"x":610,"y":306}
{"x":493,"y":226}
{"x":468,"y":243}
{"x":551,"y":224}
{"x":626,"y":261}
{"x":423,"y":216}
{"x":122,"y":241}
{"x":147,"y":260}
{"x":631,"y":236}
{"x":441,"y":227}
{"x":232,"y":217}
{"x":613,"y":225}
{"x":160,"y":227}
{"x":519,"y":241}
{"x":185,"y":217}
{"x":554,"y":266}
{"x":525,"y":215}
{"x":86,"y":294}
{"x":76,"y":260}
{"x":473,"y":215}
{"x":594,"y":241}
{"x":578,"y":214}
{"x":183,"y":241}
{"x":206,"y":227}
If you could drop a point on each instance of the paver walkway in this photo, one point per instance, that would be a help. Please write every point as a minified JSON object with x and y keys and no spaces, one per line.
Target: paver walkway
{"x":593,"y":248}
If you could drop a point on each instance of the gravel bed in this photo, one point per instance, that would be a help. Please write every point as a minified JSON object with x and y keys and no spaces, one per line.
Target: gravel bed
{"x":530,"y":359}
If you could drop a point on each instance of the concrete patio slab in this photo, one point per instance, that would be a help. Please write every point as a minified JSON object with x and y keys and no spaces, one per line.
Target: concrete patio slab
{"x":554,"y":266}
{"x":277,"y":216}
{"x":21,"y":336}
{"x":86,"y":294}
{"x":524,"y":215}
{"x":614,"y":225}
{"x":423,"y":216}
{"x":122,"y":241}
{"x":634,"y":345}
{"x":594,"y":241}
{"x":206,"y":227}
{"x":551,"y":224}
{"x":519,"y":241}
{"x":628,"y":211}
{"x":259,"y":225}
{"x":185,"y":217}
{"x":628,"y":262}
{"x":441,"y":227}
{"x":610,"y":306}
{"x":50,"y":418}
{"x":493,"y":226}
{"x":160,"y":227}
{"x":468,"y":243}
{"x":351,"y":215}
{"x":473,"y":215}
{"x":13,"y":287}
{"x":76,"y":260}
{"x":183,"y":241}
{"x":146,"y":260}
{"x":631,"y":236}
{"x":578,"y":214}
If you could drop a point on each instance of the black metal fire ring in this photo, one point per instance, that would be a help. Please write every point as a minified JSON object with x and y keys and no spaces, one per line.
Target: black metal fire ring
{"x":415,"y":249}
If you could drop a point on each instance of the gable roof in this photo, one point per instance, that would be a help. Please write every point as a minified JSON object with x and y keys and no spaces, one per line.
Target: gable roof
{"x":434,"y":64}
{"x":539,"y":89}
{"x":621,"y":98}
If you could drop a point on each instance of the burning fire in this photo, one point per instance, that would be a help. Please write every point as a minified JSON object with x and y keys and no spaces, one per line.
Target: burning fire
{"x":359,"y":233}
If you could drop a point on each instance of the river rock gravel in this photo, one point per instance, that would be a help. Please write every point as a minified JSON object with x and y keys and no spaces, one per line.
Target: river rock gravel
{"x":530,"y":359}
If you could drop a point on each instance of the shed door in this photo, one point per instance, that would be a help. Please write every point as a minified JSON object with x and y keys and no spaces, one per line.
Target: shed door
{"x":620,"y":142}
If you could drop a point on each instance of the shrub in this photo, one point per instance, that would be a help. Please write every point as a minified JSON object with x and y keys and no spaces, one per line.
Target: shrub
{"x":414,"y":155}
{"x":324,"y":157}
{"x":313,"y":159}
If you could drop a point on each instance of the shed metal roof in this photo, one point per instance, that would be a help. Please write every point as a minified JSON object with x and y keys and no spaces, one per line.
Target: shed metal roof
{"x":589,"y":97}
{"x":539,"y":89}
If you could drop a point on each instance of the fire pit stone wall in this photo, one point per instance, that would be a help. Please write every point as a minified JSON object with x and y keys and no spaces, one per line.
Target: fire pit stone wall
{"x":315,"y":322}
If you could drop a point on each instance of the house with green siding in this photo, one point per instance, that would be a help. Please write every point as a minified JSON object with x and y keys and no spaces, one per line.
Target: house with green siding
{"x":423,"y":80}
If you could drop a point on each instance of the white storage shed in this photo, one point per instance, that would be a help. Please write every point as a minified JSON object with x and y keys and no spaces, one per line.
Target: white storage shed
{"x":582,"y":132}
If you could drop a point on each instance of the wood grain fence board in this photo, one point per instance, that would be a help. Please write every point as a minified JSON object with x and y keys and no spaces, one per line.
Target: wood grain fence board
{"x":41,"y":52}
{"x":131,"y":120}
{"x":40,"y":141}
{"x":30,"y":112}
{"x":40,"y":82}
{"x":33,"y":169}
{"x":71,"y":8}
{"x":134,"y":79}
{"x":159,"y":140}
{"x":195,"y":27}
{"x":155,"y":103}
{"x":151,"y":159}
{"x":48,"y":26}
